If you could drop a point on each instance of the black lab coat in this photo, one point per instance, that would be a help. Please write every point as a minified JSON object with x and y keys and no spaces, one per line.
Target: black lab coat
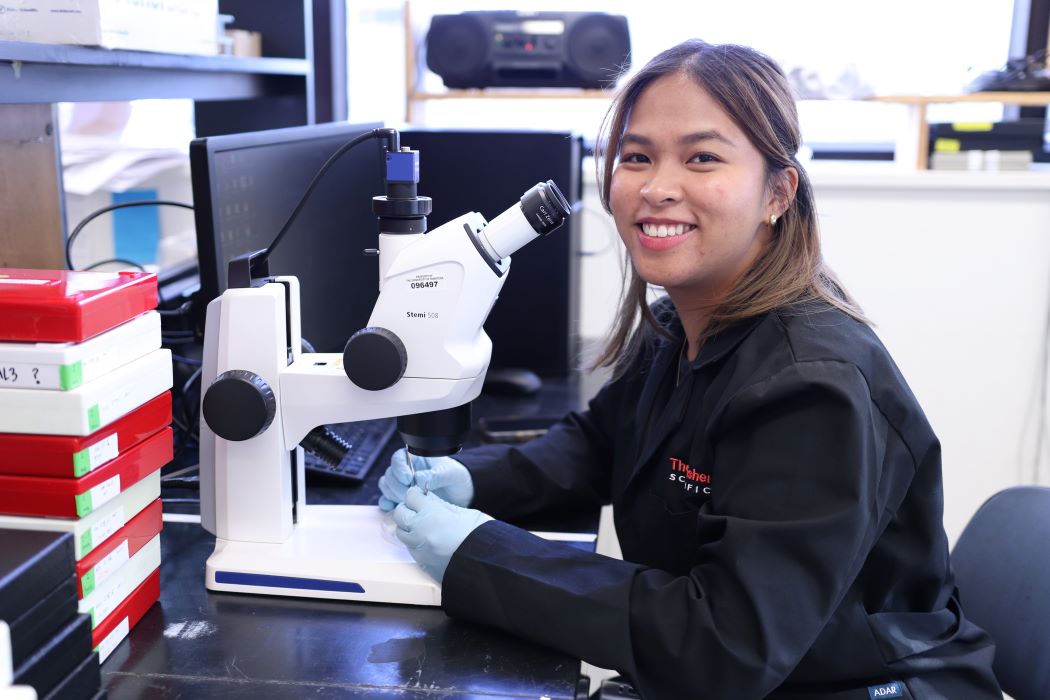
{"x":779,"y":508}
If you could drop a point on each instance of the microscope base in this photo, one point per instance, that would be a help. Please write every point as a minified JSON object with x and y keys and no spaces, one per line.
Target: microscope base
{"x":334,"y":552}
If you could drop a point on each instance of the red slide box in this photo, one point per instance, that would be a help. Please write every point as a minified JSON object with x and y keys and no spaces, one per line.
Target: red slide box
{"x":72,"y":456}
{"x":68,"y":306}
{"x":76,"y":498}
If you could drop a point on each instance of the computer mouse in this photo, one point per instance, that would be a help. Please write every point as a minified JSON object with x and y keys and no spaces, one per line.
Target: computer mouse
{"x":511,"y":381}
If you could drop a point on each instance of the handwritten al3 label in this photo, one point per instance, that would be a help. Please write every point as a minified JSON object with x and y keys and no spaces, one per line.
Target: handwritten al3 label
{"x":26,"y":376}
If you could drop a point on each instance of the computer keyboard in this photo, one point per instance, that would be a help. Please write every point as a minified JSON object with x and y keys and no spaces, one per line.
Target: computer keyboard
{"x":367,"y":440}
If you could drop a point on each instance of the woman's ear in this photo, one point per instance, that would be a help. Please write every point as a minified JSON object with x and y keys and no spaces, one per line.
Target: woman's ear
{"x":785,"y":184}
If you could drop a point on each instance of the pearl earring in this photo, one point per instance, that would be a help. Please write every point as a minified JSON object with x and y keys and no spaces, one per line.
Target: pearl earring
{"x":772,"y":219}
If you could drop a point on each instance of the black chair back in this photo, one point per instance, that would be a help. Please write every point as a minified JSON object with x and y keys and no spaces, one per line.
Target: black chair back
{"x":1002,"y":568}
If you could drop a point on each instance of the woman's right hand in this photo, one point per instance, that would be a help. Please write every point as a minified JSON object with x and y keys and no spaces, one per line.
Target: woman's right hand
{"x":444,"y":476}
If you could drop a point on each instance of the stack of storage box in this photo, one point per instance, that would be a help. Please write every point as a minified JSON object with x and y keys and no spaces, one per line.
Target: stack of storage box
{"x":48,"y":644}
{"x":85,"y":413}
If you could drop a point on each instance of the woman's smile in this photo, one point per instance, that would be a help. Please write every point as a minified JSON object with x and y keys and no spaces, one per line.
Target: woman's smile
{"x":663,"y":235}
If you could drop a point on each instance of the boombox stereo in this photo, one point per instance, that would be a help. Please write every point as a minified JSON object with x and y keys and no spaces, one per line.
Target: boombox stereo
{"x":480,"y":49}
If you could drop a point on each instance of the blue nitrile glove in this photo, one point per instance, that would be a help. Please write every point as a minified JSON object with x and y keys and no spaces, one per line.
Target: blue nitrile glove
{"x":433,"y":529}
{"x":449,"y":479}
{"x":442,"y":475}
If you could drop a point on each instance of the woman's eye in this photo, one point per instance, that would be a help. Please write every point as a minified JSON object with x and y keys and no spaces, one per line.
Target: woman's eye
{"x":634,"y":158}
{"x":703,"y":158}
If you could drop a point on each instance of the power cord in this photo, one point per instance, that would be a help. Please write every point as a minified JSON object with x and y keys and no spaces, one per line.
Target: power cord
{"x":187,"y":477}
{"x":112,"y":207}
{"x":179,"y":311}
{"x":187,"y":415}
{"x":336,"y":155}
{"x":108,"y":261}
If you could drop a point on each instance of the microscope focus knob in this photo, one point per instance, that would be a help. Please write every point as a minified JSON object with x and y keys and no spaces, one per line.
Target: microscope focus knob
{"x":374,"y":358}
{"x":239,"y":405}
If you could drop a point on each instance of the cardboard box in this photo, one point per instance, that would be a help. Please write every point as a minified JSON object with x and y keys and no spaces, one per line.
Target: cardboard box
{"x":167,"y":26}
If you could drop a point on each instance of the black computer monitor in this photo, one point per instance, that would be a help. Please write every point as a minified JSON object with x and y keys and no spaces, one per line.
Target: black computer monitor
{"x":534,"y":324}
{"x":246,"y":185}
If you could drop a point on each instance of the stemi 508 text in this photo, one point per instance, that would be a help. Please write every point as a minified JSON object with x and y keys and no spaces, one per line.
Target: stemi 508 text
{"x":421,"y":314}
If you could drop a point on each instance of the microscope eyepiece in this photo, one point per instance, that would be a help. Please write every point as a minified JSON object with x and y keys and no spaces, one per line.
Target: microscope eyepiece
{"x":541,"y":210}
{"x":545,"y":207}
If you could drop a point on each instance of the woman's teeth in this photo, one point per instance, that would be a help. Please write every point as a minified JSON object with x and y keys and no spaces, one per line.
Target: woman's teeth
{"x":664,"y":230}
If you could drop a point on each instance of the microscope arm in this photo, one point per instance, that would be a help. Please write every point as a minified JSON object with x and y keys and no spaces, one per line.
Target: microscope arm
{"x":435,"y":297}
{"x":313,"y":395}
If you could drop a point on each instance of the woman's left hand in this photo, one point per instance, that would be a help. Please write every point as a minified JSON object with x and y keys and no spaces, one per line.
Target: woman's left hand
{"x":433,"y":529}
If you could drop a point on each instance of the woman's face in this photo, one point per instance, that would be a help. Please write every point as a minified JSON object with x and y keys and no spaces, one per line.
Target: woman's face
{"x":689,"y":194}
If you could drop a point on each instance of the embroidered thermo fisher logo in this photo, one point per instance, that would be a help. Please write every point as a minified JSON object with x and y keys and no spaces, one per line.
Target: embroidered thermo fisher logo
{"x":894,"y":689}
{"x":692,"y":480}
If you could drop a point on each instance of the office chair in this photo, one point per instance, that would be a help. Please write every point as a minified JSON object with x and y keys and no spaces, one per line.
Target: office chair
{"x":1002,"y":568}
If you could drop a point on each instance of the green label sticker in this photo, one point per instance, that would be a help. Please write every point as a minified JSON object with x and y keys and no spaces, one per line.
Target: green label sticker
{"x":94,"y":420}
{"x":83,"y":504}
{"x":85,"y":542}
{"x":71,"y":376}
{"x":81,"y":462}
{"x":88,"y":583}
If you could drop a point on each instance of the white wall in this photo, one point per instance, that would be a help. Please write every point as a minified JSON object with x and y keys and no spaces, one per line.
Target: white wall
{"x":953,"y":268}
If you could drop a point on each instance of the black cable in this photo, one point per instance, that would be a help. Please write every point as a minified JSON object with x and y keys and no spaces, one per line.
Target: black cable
{"x":190,"y":416}
{"x":167,"y":339}
{"x":180,"y":311}
{"x":185,"y":410}
{"x":122,"y":261}
{"x":193,"y":377}
{"x":181,"y":472}
{"x":182,"y":482}
{"x":177,"y":420}
{"x":183,"y":440}
{"x":390,"y":134}
{"x":98,"y":212}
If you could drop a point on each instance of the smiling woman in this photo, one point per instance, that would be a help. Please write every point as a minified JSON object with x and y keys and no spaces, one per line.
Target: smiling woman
{"x":776,"y":487}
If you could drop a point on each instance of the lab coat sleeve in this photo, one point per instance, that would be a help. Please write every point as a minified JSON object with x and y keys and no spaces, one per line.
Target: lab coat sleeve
{"x":568,"y":467}
{"x":792,"y":516}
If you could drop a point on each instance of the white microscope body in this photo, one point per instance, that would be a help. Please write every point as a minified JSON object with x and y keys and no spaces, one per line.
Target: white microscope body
{"x":436,"y":290}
